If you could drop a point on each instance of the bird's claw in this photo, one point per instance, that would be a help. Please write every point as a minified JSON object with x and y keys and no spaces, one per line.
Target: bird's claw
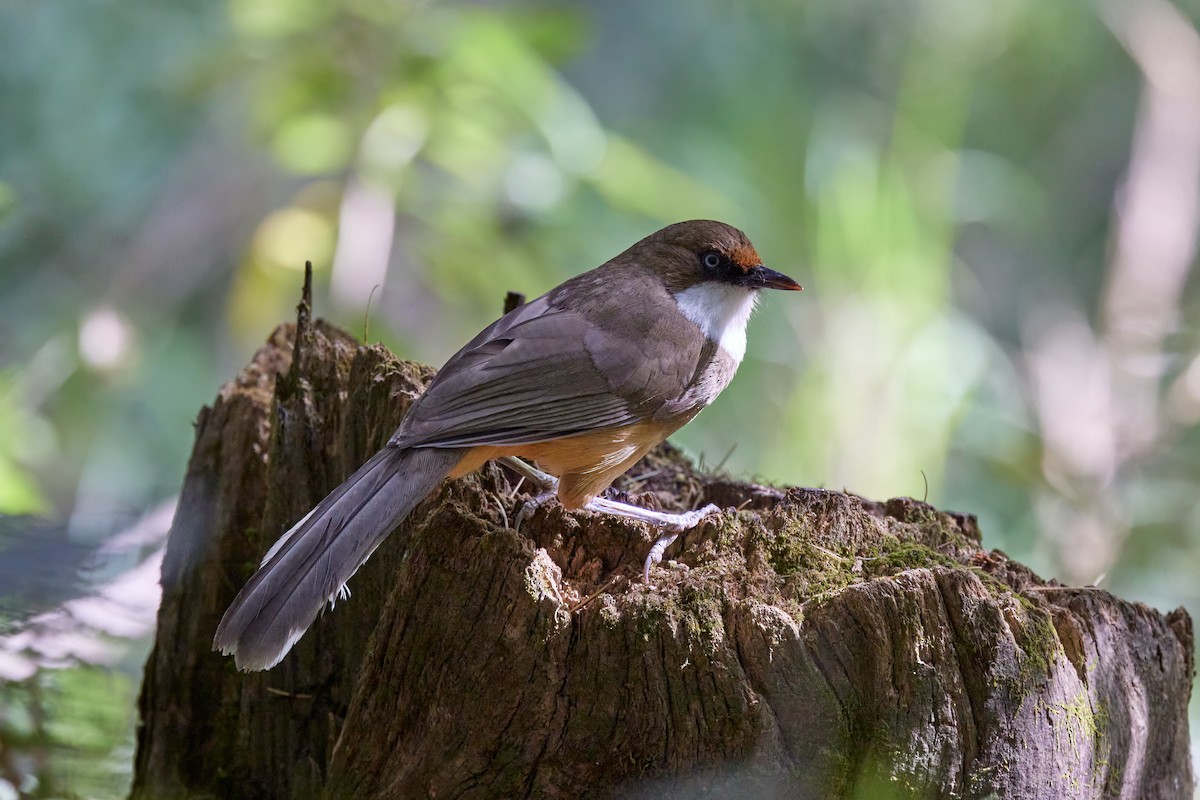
{"x":530,"y":507}
{"x":681,"y":523}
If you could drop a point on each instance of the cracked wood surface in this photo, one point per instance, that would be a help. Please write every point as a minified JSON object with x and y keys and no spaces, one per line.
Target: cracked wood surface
{"x":812,"y":644}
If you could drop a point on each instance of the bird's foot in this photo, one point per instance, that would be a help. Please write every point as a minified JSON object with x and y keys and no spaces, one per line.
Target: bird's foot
{"x":686,"y":521}
{"x":672,"y":524}
{"x":530,"y":507}
{"x":545,"y":486}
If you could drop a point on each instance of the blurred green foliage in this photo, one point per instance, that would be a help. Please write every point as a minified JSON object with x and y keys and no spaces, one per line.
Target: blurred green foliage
{"x":77,"y":722}
{"x":941,"y":175}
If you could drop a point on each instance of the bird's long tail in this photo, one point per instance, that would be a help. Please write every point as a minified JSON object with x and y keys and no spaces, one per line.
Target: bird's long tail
{"x":311,"y":563}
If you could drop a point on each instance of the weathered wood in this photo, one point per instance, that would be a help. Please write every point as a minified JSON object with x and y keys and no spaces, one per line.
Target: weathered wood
{"x":811,"y":645}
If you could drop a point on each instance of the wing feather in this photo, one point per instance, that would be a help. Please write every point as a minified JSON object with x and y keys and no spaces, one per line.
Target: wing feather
{"x":544,"y":372}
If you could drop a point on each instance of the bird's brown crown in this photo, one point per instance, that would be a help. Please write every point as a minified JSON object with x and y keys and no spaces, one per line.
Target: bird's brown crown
{"x":700,"y":235}
{"x":676,"y":251}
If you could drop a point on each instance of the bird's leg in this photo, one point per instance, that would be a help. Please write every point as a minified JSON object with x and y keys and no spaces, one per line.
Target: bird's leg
{"x":544,"y":482}
{"x":546,"y":485}
{"x":672,"y":524}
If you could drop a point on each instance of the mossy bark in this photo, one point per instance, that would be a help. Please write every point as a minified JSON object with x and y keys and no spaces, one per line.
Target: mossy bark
{"x":811,"y":644}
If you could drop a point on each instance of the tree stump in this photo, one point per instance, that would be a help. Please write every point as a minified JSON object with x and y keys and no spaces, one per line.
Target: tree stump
{"x":811,"y":644}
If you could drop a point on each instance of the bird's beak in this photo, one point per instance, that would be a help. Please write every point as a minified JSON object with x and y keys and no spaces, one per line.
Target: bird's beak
{"x":760,"y":277}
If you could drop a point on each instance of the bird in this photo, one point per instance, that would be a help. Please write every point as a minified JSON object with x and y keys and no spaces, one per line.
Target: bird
{"x":582,"y":382}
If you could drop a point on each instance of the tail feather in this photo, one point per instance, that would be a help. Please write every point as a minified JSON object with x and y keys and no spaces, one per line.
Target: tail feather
{"x":310,"y":564}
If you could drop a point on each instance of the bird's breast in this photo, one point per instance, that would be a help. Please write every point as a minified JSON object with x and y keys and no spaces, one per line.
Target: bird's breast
{"x":713,"y":374}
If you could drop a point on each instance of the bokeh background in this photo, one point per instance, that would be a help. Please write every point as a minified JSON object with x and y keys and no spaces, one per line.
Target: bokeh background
{"x":993,"y":207}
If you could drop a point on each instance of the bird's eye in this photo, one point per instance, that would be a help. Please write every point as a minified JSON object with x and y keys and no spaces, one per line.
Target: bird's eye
{"x":711,"y":260}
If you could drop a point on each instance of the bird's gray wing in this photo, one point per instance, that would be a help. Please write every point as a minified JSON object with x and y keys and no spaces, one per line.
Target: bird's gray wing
{"x":545,"y":372}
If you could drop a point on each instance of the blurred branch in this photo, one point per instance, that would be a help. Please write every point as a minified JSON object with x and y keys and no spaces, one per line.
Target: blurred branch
{"x":80,"y":629}
{"x":87,"y":630}
{"x":1157,"y":212}
{"x":1097,"y":393}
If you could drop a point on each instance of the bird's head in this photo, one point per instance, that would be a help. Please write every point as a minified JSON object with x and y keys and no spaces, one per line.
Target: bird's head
{"x":689,"y":254}
{"x":714,"y":275}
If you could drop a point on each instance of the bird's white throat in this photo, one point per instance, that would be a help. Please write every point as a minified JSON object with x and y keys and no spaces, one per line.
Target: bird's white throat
{"x":722,"y":311}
